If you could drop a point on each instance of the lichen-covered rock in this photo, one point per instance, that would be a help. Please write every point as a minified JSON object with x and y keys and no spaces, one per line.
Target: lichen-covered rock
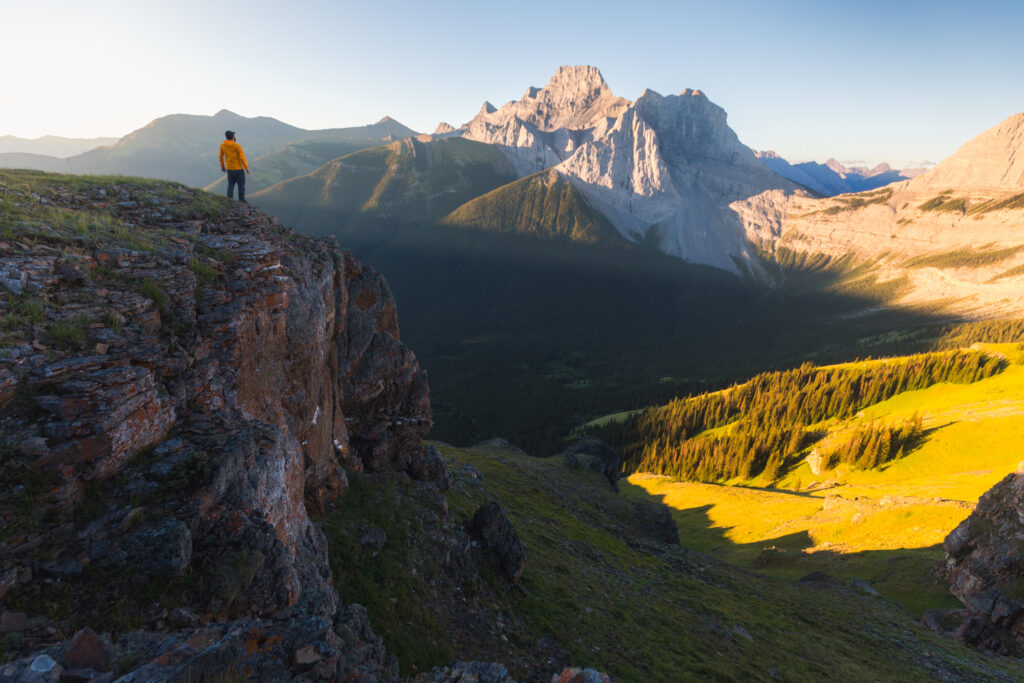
{"x":576,"y":675}
{"x":985,"y":567}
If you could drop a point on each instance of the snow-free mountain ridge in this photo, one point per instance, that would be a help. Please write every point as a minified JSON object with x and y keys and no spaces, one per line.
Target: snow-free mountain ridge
{"x":664,"y":169}
{"x":832,"y":177}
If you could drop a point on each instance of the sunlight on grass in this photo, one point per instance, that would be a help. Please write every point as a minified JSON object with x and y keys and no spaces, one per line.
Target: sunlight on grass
{"x":835,"y":520}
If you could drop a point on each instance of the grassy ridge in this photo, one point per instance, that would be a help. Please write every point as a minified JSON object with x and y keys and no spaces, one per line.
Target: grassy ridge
{"x":543,"y":205}
{"x":886,"y":524}
{"x":771,"y":413}
{"x":371,"y":196}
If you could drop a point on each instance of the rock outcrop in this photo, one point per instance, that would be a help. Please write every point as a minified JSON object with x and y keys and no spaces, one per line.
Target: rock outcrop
{"x":985,"y":568}
{"x":663,"y":169}
{"x":500,"y":539}
{"x":176,"y":400}
{"x":594,"y":455}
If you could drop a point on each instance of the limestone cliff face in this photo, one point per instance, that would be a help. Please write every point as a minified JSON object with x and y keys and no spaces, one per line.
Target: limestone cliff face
{"x":950,"y":236}
{"x":992,"y":161}
{"x":663,"y":169}
{"x":219,"y":380}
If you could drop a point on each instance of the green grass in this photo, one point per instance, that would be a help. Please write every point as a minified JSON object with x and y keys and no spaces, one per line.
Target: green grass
{"x":69,"y":333}
{"x":643,"y":611}
{"x":203,"y":271}
{"x":1016,"y":271}
{"x":1014,"y":202}
{"x":381,"y":580}
{"x":852,"y":202}
{"x":543,"y":205}
{"x":981,"y":257}
{"x":935,"y":203}
{"x":152,"y":290}
{"x":885,"y":525}
{"x":94,"y":224}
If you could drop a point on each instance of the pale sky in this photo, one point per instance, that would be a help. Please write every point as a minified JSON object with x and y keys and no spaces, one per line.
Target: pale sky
{"x":811,"y":79}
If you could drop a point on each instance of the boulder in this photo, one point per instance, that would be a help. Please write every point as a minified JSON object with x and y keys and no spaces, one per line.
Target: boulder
{"x":656,"y":522}
{"x":500,"y":539}
{"x":576,"y":675}
{"x":594,"y":455}
{"x":87,"y":651}
{"x":467,"y":672}
{"x":372,"y":537}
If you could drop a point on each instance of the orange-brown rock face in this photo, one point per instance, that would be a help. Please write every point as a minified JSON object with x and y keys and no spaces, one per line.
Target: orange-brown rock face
{"x":179,"y":408}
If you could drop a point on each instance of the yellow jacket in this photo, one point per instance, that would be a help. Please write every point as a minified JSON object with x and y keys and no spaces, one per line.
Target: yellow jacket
{"x":232,"y":157}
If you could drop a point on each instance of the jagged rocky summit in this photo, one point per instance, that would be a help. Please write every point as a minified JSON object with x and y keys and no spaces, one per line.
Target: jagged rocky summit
{"x":181,"y":397}
{"x":664,"y":169}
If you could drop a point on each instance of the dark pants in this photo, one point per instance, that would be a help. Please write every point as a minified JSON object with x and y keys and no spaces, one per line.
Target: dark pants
{"x":236,"y":178}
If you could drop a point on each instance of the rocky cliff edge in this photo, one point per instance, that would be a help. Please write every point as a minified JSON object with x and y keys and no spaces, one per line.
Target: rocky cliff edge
{"x":181,"y":384}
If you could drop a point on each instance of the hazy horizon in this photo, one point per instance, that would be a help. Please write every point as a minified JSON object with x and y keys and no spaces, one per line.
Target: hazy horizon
{"x":877,"y":81}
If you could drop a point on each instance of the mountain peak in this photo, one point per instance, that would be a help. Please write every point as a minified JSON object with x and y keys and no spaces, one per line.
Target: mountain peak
{"x":993,"y":160}
{"x":767,"y":154}
{"x":487,"y":108}
{"x":581,"y":76}
{"x":443,"y":127}
{"x":387,"y":119}
{"x":223,"y":113}
{"x":837,"y":167}
{"x":573,"y":83}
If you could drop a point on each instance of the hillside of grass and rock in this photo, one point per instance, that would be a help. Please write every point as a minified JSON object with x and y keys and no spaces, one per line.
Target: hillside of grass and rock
{"x":213,"y":465}
{"x":884,"y":468}
{"x":606,"y":582}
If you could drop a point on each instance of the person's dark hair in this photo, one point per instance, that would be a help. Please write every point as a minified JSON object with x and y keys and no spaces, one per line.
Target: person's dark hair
{"x":229,"y":135}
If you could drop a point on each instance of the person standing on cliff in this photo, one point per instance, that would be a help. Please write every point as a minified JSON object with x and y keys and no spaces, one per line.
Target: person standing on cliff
{"x":232,"y":161}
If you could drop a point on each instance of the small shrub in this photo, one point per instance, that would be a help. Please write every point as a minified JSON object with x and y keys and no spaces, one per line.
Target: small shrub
{"x":151,"y":289}
{"x":69,"y":334}
{"x":203,"y":272}
{"x":114,"y":321}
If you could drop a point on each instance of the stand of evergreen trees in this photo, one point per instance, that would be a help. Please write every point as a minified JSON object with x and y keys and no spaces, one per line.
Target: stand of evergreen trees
{"x":992,"y":331}
{"x":767,"y":416}
{"x":872,"y":445}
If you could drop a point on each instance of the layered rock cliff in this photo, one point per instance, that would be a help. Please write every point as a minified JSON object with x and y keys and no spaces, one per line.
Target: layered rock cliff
{"x":181,"y":384}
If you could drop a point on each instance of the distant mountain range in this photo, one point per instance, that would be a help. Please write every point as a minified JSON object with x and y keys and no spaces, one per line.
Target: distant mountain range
{"x":832,"y":177}
{"x":51,"y":145}
{"x":573,"y":237}
{"x":183,"y":147}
